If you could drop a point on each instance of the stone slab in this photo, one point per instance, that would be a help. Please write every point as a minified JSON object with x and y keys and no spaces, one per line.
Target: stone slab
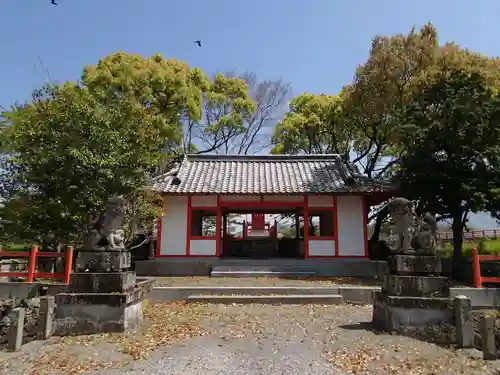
{"x":416,"y":286}
{"x":463,"y":321}
{"x":414,"y":264}
{"x":480,"y":297}
{"x":47,"y":310}
{"x":139,"y":292}
{"x":262,"y":273}
{"x":487,"y":329}
{"x":103,"y":261}
{"x":171,"y":293}
{"x":414,"y":302}
{"x":90,"y":313}
{"x":16,"y":330}
{"x":329,"y":299}
{"x":391,"y":317}
{"x":358,"y":294}
{"x":101,"y":282}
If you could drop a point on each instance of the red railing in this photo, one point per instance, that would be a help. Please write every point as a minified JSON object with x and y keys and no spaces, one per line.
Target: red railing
{"x":32,"y":256}
{"x":476,"y":269}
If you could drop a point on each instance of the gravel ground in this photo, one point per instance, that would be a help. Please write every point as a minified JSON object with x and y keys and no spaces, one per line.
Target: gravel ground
{"x":264,"y":281}
{"x":251,"y":339}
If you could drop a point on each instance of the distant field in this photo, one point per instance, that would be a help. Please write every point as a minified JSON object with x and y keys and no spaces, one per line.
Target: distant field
{"x":487,"y":246}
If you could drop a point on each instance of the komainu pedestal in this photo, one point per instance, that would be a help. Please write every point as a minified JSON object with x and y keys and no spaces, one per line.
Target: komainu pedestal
{"x":99,"y":302}
{"x":413,"y":294}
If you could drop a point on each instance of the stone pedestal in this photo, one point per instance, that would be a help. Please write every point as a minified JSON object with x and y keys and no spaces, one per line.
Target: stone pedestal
{"x":413,"y":295}
{"x":99,"y":302}
{"x":103,"y":261}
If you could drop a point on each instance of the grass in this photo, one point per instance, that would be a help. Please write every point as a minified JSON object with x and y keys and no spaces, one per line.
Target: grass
{"x":484,"y":247}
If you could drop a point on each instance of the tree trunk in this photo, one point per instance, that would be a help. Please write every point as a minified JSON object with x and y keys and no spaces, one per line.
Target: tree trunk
{"x":457,"y":228}
{"x":378,"y":224}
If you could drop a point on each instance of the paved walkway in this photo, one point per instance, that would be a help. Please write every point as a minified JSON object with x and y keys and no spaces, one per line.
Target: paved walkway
{"x":254,"y":339}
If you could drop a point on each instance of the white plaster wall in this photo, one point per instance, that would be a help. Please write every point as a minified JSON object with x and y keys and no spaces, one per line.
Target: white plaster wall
{"x":174,"y":224}
{"x":203,"y":247}
{"x":240,"y":198}
{"x":204,"y":201}
{"x":320,"y":201}
{"x":322,"y":248}
{"x":350,"y":226}
{"x":283,"y":198}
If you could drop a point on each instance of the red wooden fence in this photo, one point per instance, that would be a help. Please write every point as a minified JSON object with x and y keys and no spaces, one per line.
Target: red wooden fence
{"x":476,"y":269}
{"x":32,"y":256}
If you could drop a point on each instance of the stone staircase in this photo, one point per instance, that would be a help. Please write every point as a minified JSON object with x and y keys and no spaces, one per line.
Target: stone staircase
{"x":240,"y":270}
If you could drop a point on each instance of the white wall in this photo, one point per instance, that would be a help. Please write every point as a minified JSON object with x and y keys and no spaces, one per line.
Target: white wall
{"x":350,"y":225}
{"x":204,"y":201}
{"x":174,"y":224}
{"x":203,"y":247}
{"x":320,"y":201}
{"x":322,"y":248}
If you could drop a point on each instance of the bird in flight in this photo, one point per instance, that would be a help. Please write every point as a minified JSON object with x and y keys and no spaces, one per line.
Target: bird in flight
{"x":198,"y":42}
{"x":53,"y":2}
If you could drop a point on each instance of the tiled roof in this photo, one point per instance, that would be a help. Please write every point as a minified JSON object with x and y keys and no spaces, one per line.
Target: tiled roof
{"x":264,"y":174}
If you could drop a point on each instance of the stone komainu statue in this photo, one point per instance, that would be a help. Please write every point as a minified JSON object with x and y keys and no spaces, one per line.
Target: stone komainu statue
{"x":425,"y":237}
{"x":412,"y":231}
{"x":402,"y":213}
{"x":106,"y":232}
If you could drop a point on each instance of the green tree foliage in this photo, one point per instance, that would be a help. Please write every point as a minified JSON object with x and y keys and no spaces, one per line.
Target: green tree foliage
{"x":452,"y":159}
{"x":226,"y":107}
{"x":368,"y":118}
{"x":192,"y":106}
{"x":69,"y":152}
{"x":313,"y":125}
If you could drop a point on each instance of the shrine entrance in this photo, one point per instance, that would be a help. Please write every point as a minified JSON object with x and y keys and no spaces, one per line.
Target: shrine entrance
{"x":262,"y":235}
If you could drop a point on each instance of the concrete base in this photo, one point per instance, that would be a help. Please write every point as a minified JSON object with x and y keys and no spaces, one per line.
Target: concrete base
{"x":416,"y":286}
{"x":395,"y":314}
{"x":80,"y":319}
{"x":352,"y":267}
{"x":90,"y":313}
{"x":100,"y":282}
{"x":409,"y":264}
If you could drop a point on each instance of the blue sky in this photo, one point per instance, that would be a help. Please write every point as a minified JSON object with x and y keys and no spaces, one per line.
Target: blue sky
{"x":314,"y":44}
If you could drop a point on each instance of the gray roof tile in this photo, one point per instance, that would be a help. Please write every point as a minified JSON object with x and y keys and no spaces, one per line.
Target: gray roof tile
{"x":265,"y":174}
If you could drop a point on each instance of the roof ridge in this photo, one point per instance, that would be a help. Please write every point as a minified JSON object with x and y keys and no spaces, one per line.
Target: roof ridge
{"x":284,"y":157}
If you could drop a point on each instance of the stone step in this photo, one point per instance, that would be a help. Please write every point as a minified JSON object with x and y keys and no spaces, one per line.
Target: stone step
{"x":257,"y":273}
{"x":292,"y":299}
{"x":274,"y":268}
{"x":351,"y":294}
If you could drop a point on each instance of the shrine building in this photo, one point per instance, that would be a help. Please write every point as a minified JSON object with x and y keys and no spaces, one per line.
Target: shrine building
{"x":244,"y":207}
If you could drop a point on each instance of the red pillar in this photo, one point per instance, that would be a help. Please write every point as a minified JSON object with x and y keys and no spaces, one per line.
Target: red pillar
{"x":476,"y":269}
{"x":69,"y":264}
{"x":32,"y":263}
{"x":306,"y":227}
{"x":218,"y":228}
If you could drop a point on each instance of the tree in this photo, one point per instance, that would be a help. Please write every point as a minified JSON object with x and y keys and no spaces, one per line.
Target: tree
{"x":193,"y":106}
{"x":452,"y":159}
{"x":168,"y":87}
{"x":313,"y":125}
{"x":70,"y":150}
{"x":363,"y":122}
{"x":226,"y":108}
{"x":269,"y":99}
